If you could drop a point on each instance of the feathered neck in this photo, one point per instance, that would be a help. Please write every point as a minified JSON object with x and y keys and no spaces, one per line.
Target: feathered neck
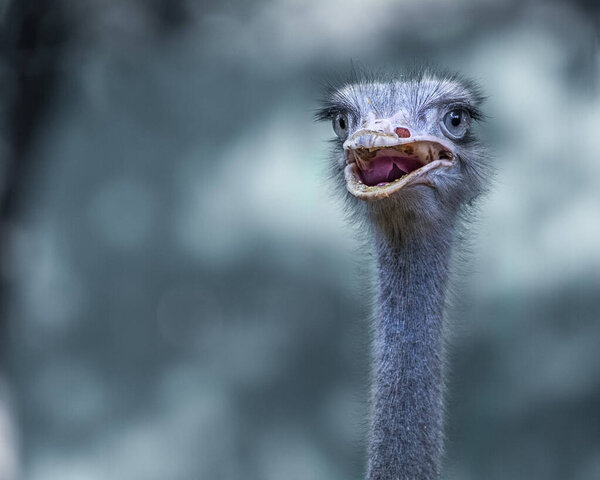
{"x":406,"y":430}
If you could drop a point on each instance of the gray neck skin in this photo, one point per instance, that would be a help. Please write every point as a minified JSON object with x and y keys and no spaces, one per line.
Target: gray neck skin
{"x":406,"y":431}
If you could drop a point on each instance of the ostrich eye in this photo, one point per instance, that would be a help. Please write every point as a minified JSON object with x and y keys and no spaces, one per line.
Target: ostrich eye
{"x":340,"y":125}
{"x":455,"y":123}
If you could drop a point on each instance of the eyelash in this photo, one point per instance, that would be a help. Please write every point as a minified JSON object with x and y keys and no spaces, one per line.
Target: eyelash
{"x":473,"y":112}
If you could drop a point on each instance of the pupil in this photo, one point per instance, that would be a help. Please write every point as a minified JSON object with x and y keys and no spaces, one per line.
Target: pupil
{"x":455,"y":119}
{"x":342,"y":123}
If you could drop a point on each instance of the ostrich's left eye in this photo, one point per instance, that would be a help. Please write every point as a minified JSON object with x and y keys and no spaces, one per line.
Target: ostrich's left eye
{"x":456,"y":123}
{"x":340,"y":125}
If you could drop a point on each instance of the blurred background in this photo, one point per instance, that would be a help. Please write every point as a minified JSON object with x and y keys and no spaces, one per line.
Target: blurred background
{"x":181,"y":297}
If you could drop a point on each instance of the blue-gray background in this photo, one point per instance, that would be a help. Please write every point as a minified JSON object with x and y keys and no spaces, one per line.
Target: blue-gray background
{"x":185,"y":298}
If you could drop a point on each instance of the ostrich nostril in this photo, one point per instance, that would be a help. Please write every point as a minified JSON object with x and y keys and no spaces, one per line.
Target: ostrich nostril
{"x":402,"y":132}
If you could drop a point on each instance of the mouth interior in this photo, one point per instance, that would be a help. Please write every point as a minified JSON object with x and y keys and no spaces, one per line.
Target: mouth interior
{"x":386,"y":168}
{"x":381,"y":166}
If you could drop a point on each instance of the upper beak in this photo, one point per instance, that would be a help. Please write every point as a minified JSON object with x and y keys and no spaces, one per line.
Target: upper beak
{"x":377,"y":133}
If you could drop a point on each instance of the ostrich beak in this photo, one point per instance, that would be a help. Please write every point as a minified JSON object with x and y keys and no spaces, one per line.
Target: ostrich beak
{"x":381,"y":161}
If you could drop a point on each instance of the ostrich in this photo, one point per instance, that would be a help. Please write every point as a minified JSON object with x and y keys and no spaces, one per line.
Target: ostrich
{"x":410,"y":167}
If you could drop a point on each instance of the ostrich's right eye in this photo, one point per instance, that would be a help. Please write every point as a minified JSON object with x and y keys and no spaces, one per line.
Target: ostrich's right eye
{"x":340,"y":125}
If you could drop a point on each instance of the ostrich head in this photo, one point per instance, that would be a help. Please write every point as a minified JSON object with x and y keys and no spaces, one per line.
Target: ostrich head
{"x":405,"y":153}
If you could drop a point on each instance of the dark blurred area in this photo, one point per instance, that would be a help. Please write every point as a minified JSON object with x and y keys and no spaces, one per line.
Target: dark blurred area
{"x":181,"y":297}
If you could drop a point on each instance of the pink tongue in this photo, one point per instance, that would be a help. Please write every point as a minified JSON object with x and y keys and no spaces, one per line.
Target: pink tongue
{"x":387,"y":169}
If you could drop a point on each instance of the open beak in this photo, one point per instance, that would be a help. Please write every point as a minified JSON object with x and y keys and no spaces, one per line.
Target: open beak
{"x":380,"y":162}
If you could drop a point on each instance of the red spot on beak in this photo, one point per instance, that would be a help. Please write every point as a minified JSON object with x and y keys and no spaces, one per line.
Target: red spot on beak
{"x":402,"y":132}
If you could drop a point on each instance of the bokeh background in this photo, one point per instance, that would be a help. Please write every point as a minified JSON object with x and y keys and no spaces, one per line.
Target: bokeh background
{"x":181,"y":297}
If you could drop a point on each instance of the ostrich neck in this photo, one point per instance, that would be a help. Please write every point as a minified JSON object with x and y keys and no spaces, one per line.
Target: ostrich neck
{"x":406,"y":430}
